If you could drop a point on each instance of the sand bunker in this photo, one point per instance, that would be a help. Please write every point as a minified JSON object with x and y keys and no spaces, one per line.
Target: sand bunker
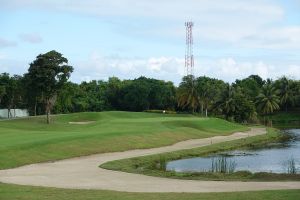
{"x":82,"y":123}
{"x":84,"y":172}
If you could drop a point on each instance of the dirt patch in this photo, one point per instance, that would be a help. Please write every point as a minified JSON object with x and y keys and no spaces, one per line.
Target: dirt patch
{"x":82,"y":123}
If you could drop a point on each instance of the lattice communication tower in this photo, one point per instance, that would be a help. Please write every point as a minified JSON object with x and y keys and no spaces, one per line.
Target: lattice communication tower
{"x":189,"y":57}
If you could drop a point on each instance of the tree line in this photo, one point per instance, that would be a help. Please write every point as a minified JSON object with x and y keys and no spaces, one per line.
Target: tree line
{"x":243,"y":100}
{"x":45,"y":88}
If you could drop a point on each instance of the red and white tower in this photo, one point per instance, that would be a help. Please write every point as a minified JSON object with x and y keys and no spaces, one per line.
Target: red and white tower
{"x":189,"y":57}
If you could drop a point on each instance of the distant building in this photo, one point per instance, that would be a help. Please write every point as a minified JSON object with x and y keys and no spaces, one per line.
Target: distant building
{"x":14,"y":113}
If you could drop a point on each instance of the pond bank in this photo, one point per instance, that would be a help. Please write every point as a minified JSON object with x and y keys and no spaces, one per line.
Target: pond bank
{"x":155,"y":165}
{"x":278,"y":157}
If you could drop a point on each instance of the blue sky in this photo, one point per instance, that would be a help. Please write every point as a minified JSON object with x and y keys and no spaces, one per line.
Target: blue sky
{"x":130,"y":38}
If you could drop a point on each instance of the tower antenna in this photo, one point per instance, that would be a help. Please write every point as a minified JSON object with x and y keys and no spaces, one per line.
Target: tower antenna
{"x":189,"y":57}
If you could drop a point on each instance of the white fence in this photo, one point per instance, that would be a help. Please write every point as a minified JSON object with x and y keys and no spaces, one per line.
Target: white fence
{"x":13,"y":113}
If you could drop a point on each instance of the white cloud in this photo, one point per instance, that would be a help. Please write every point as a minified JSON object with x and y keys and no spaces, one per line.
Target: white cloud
{"x":31,"y":37}
{"x":100,"y":67}
{"x":236,"y":24}
{"x":293,"y":71}
{"x":274,"y":38}
{"x":229,"y":69}
{"x":172,"y":68}
{"x":7,"y":43}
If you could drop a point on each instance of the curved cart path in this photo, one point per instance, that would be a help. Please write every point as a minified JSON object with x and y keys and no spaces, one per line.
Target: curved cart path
{"x":84,"y":173}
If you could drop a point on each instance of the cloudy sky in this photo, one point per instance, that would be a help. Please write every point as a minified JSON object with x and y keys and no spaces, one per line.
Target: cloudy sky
{"x":129,"y":38}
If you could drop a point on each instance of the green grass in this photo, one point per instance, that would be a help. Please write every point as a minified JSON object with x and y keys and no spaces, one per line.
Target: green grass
{"x":30,"y":140}
{"x":26,"y":141}
{"x":285,"y":120}
{"x":285,"y":116}
{"x":150,"y":165}
{"x":15,"y":192}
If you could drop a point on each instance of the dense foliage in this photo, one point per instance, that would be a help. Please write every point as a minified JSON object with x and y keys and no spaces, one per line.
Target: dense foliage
{"x":240,"y":101}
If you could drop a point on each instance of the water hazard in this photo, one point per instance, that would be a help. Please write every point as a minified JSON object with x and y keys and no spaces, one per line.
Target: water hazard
{"x":275,"y":158}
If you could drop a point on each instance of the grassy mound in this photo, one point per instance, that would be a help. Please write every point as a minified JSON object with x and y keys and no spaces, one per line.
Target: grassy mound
{"x":31,"y":140}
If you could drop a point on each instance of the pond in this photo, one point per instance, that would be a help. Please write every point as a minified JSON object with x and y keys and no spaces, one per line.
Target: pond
{"x":272,"y":158}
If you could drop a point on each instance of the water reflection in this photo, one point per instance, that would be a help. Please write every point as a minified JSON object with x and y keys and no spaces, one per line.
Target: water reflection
{"x":275,"y":158}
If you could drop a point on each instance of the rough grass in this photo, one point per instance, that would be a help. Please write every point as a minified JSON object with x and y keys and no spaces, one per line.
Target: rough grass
{"x":12,"y":192}
{"x":285,"y":120}
{"x":31,"y":140}
{"x":148,"y":164}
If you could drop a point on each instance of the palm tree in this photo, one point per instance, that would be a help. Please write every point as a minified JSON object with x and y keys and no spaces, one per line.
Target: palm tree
{"x":187,"y":93}
{"x":286,"y":92}
{"x":206,"y":95}
{"x":267,"y":101}
{"x":226,"y":103}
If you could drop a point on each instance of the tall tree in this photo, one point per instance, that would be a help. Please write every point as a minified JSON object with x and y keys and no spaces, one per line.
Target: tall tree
{"x":235,"y":105}
{"x":209,"y":90}
{"x":33,"y":94}
{"x":188,"y":96}
{"x":268,"y":101}
{"x":64,"y":103}
{"x":286,"y":92}
{"x":114,"y":85}
{"x":11,"y":91}
{"x":250,"y":86}
{"x":49,"y":72}
{"x":226,"y":103}
{"x":245,"y":110}
{"x":17,"y":91}
{"x":135,"y":95}
{"x":257,"y":79}
{"x":2,"y":92}
{"x":162,"y":94}
{"x":4,"y":79}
